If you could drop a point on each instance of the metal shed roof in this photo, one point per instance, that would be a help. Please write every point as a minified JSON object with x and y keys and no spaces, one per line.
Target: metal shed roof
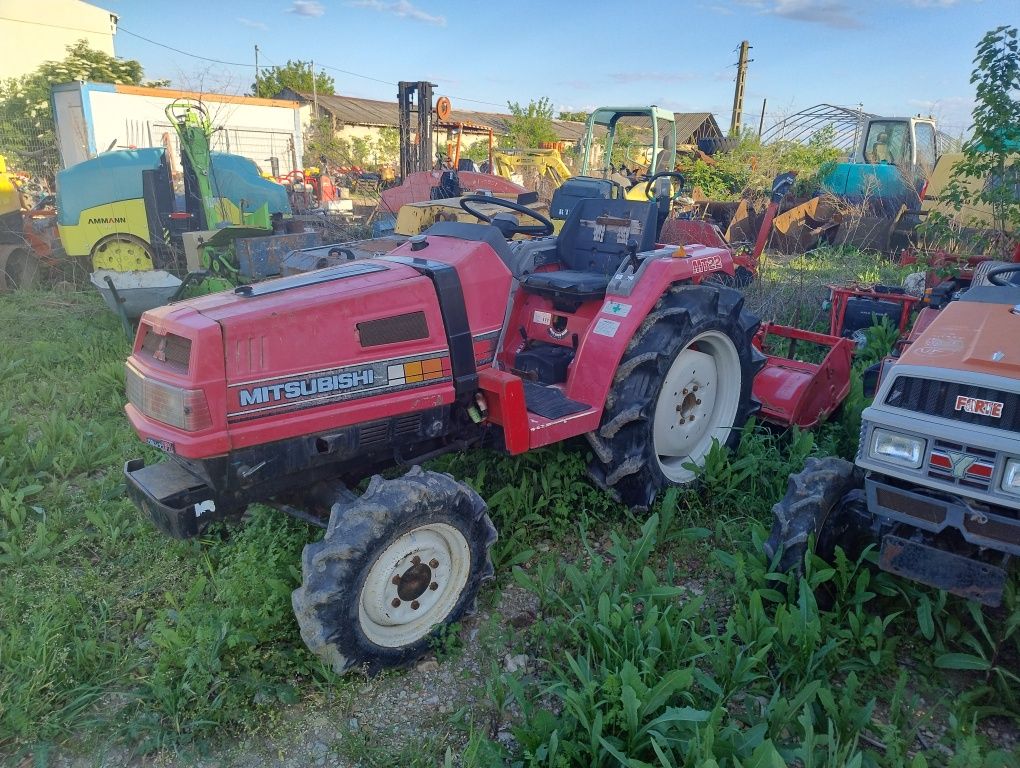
{"x":691,"y":126}
{"x":372,"y":112}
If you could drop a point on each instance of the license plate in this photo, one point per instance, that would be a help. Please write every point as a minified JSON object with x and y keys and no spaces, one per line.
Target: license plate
{"x":164,"y":445}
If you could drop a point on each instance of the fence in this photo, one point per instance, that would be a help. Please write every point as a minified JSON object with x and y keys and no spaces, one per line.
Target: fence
{"x":29,"y":150}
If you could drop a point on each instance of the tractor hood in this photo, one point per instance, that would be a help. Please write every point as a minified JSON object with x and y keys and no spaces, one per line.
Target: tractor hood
{"x":277,"y":299}
{"x":305,"y":353}
{"x":980,"y":334}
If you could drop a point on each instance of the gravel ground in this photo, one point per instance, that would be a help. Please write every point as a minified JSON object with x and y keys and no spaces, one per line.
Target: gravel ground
{"x":418,"y":711}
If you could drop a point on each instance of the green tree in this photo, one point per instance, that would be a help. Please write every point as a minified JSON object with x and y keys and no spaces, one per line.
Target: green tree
{"x":531,"y":125}
{"x":296,"y":75}
{"x":577,"y":117}
{"x":323,"y":146}
{"x":992,"y":155}
{"x":387,"y":146}
{"x":26,"y":120}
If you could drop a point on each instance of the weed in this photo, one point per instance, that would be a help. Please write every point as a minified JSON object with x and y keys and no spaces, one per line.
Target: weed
{"x":446,"y":644}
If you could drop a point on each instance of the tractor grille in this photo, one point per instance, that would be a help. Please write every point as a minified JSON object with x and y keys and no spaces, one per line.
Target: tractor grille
{"x":961,"y":465}
{"x":939,"y":398}
{"x":373,"y":435}
{"x":171,"y":350}
{"x":380,"y":433}
{"x":389,"y":330}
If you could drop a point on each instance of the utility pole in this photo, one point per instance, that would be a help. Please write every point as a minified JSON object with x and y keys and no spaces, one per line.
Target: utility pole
{"x":761,"y":123}
{"x":256,"y":88}
{"x":315,"y":93}
{"x":738,"y":92}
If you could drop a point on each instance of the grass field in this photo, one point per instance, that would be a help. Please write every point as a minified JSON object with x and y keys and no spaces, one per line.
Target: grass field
{"x":660,"y":641}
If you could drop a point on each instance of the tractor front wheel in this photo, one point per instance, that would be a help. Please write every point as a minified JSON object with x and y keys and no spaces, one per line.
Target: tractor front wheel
{"x":815,"y":504}
{"x":395,"y":565}
{"x":683,"y":383}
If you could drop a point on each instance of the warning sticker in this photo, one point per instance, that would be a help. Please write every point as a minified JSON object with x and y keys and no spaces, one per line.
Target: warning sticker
{"x":616,"y":308}
{"x":543,"y":318}
{"x":607,"y":327}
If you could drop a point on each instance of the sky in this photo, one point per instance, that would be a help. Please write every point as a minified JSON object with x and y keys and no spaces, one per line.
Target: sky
{"x":894,"y":57}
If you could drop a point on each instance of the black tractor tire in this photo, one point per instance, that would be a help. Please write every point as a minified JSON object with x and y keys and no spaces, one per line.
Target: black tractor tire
{"x":627,"y":461}
{"x":815,"y":504}
{"x":347,"y":616}
{"x":24,"y":272}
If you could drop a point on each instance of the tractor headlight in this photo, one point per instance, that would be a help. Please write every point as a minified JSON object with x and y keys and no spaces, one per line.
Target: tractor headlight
{"x":897,"y":448}
{"x":1011,"y":477}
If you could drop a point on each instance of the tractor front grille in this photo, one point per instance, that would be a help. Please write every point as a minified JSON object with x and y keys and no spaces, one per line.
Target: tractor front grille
{"x":171,"y":350}
{"x":961,"y":465}
{"x":941,"y":398}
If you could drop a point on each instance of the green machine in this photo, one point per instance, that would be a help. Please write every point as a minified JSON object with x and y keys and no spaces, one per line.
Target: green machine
{"x":121,"y":212}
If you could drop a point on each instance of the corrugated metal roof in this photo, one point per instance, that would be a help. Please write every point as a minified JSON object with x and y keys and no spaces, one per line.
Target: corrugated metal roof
{"x":691,"y":126}
{"x":356,"y":111}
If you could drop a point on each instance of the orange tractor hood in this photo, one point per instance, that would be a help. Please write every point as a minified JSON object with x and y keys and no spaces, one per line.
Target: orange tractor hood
{"x":970,"y":336}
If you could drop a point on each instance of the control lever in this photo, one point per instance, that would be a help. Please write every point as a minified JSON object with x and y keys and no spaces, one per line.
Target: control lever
{"x":632,"y":261}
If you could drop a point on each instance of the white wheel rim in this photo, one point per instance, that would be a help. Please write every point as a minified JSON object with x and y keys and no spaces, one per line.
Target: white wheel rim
{"x":697,"y":404}
{"x":399,"y":604}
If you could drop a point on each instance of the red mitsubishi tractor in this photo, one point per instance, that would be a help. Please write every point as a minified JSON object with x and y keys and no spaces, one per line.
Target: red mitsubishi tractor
{"x":293,"y":391}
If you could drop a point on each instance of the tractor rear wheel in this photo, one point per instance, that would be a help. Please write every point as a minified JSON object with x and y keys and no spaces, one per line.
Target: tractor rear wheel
{"x":404,"y":559}
{"x":815,"y":504}
{"x":683,"y":383}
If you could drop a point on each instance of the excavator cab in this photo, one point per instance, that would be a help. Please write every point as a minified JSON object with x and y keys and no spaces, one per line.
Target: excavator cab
{"x":628,"y":153}
{"x":629,"y":145}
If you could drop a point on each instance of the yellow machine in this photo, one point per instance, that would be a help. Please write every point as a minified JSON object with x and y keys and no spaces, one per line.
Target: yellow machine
{"x":536,"y":163}
{"x":974,"y":215}
{"x":10,"y":198}
{"x":414,"y":218}
{"x":18,"y":265}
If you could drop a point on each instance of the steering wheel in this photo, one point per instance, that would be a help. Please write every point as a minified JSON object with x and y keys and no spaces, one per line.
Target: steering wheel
{"x":543,"y":229}
{"x":661,"y":175}
{"x":994,"y":275}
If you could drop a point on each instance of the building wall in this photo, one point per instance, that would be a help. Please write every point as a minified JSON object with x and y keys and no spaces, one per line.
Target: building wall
{"x":94,"y":117}
{"x":34,"y":32}
{"x":440,"y":137}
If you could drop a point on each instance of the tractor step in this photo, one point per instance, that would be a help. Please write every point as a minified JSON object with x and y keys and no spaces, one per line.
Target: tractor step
{"x":550,"y":402}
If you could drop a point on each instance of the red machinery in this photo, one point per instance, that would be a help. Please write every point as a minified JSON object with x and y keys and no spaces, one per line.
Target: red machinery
{"x":294,"y":390}
{"x":691,"y":231}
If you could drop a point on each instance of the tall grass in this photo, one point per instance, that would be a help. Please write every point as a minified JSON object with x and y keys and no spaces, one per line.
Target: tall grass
{"x":664,"y":640}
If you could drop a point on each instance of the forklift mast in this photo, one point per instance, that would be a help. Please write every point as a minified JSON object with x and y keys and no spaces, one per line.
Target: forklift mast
{"x":415,"y":137}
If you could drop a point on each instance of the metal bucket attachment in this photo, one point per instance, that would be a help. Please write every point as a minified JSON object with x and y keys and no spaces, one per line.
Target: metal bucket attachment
{"x":795,"y":392}
{"x":132,"y":293}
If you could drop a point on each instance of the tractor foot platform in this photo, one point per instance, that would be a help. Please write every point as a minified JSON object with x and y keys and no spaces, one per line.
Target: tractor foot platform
{"x":176,"y":501}
{"x":550,"y":402}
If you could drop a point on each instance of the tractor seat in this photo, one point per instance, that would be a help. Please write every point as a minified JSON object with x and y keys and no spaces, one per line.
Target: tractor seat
{"x":596,"y":238}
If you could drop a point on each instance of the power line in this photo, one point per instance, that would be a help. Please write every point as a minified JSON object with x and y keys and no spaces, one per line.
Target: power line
{"x":55,"y":26}
{"x":183,"y":53}
{"x":321,"y":66}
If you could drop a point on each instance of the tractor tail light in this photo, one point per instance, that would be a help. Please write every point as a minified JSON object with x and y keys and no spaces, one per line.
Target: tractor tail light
{"x":182,"y":408}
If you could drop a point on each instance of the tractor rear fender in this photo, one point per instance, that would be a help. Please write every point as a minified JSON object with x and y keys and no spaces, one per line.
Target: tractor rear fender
{"x":600,"y":350}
